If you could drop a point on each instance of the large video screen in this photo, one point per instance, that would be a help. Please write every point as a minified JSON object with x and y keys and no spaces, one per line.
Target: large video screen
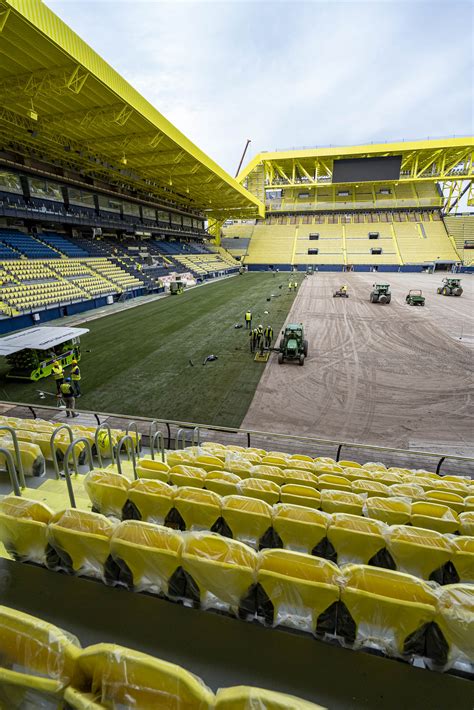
{"x":366,"y":169}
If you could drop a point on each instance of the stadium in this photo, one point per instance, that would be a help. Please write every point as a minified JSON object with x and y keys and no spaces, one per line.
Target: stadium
{"x":236,"y":413}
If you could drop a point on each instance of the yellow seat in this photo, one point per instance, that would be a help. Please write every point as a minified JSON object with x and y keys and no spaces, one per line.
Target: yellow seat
{"x":199,"y":509}
{"x":390,"y":478}
{"x":107,"y":491}
{"x":466,"y":523}
{"x":452,"y":500}
{"x":464,"y":558}
{"x":182,"y":475}
{"x":181,"y":458}
{"x":301,"y":457}
{"x":244,"y":697}
{"x":110,"y":676}
{"x":425,"y":514}
{"x":419,"y":551}
{"x":299,"y":528}
{"x":329,"y":481}
{"x":297,"y":464}
{"x":342,"y":502}
{"x":209,"y":462}
{"x":37,"y":661}
{"x":393,"y":511}
{"x":78,"y":542}
{"x":300,"y":495}
{"x":456,"y":620}
{"x":407,"y":490}
{"x":269,"y":473}
{"x":349,"y":464}
{"x":299,"y":588}
{"x":371,"y":488}
{"x":374,"y":466}
{"x":358,"y":540}
{"x":424,"y":482}
{"x":224,"y":483}
{"x":240,"y":467}
{"x":469,"y":503}
{"x":248,"y":519}
{"x":31,"y":456}
{"x":449,"y":486}
{"x":389,"y":608}
{"x":148,"y":468}
{"x":300,"y":478}
{"x":149,"y":500}
{"x":276,"y":458}
{"x":222,"y":569}
{"x":261,"y":489}
{"x":146,"y":555}
{"x":356,"y":474}
{"x":23,"y":528}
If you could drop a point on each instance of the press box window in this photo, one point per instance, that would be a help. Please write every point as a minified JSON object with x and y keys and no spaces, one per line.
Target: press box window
{"x":313,"y":236}
{"x":313,"y":251}
{"x":375,"y":251}
{"x":374,"y":235}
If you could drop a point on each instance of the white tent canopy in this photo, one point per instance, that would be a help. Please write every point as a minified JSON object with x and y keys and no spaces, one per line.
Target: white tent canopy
{"x":41,"y":338}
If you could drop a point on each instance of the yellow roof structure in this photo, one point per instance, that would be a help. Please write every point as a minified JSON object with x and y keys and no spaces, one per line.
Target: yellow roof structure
{"x":63,"y":104}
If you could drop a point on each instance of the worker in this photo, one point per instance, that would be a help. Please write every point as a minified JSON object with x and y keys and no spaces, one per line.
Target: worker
{"x":58,"y":374}
{"x":295,"y":285}
{"x":66,"y":391}
{"x":260,"y":338}
{"x":343,"y":289}
{"x":290,"y":286}
{"x":253,"y":335}
{"x":248,"y":320}
{"x":268,"y":336}
{"x":76,"y":378}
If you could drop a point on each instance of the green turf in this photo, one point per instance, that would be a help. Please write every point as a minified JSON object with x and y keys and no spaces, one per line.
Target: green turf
{"x":140,"y":359}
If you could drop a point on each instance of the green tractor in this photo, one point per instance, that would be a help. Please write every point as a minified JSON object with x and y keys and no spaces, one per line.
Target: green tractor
{"x":452,"y":287}
{"x":380,"y":293}
{"x":293,"y":346}
{"x":415,"y":297}
{"x":176,"y":288}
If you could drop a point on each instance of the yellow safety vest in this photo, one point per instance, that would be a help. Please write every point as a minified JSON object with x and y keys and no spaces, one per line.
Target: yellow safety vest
{"x":248,"y":316}
{"x":66,"y":389}
{"x":76,"y":373}
{"x":58,"y":372}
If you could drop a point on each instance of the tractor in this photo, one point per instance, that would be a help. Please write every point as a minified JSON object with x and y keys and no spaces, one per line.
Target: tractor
{"x":415,"y":297}
{"x":293,"y":346}
{"x":341,"y":292}
{"x":452,"y":287}
{"x":176,"y":288}
{"x":380,"y":293}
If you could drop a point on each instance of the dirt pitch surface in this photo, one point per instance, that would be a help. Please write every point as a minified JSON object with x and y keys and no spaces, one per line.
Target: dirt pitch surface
{"x":390,"y":375}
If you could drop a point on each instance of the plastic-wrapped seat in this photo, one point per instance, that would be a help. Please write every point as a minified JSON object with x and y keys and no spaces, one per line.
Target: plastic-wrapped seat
{"x":242,"y":697}
{"x":276,"y":458}
{"x":261,"y":489}
{"x":149,"y":500}
{"x":247,"y":519}
{"x":110,"y":676}
{"x":300,"y":478}
{"x":107,"y":491}
{"x":300,"y":495}
{"x":435,"y":516}
{"x":342,"y":502}
{"x":452,"y":500}
{"x":359,"y":540}
{"x":392,"y":511}
{"x":149,"y":468}
{"x":31,"y":456}
{"x":466,"y":523}
{"x":183,"y":475}
{"x":456,"y":620}
{"x":241,"y":467}
{"x":393,"y":612}
{"x":296,"y":590}
{"x":209,"y":462}
{"x":469,"y":504}
{"x":333,"y":482}
{"x":421,"y":552}
{"x":299,"y":528}
{"x":371,"y":488}
{"x":37,"y":661}
{"x":23,"y":528}
{"x":199,"y":509}
{"x":78,"y":543}
{"x":448,"y":485}
{"x":224,"y":483}
{"x":464,"y":558}
{"x":349,"y":464}
{"x":407,"y":490}
{"x":222,"y":571}
{"x":147,"y":556}
{"x":356,"y":474}
{"x":269,"y":473}
{"x":185,"y":457}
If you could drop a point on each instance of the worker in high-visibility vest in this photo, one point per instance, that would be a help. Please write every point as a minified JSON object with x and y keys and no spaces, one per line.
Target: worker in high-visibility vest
{"x":343,"y":289}
{"x":295,"y":285}
{"x":260,"y":338}
{"x":66,"y":391}
{"x":248,"y":320}
{"x":253,"y":336}
{"x":268,"y":333}
{"x":58,"y":374}
{"x":290,"y":286}
{"x":76,"y":378}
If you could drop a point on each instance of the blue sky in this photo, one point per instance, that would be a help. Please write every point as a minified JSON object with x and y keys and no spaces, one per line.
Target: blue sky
{"x":286,"y":73}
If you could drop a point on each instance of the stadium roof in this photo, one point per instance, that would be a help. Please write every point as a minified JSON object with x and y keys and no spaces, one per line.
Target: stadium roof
{"x":63,"y":104}
{"x":39,"y":338}
{"x":445,"y":159}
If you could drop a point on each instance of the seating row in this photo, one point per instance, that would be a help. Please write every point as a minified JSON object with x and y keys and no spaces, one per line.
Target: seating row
{"x":43,"y":666}
{"x":360,"y":605}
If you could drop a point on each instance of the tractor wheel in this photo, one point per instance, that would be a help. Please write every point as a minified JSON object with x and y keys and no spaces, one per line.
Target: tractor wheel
{"x":422,"y":303}
{"x":280,"y":358}
{"x":301,"y":359}
{"x":439,"y":290}
{"x":389,"y":298}
{"x":372,"y":298}
{"x":407,"y":299}
{"x":457,"y":291}
{"x":383,"y":298}
{"x":445,"y":291}
{"x":282,"y":344}
{"x":305,"y":348}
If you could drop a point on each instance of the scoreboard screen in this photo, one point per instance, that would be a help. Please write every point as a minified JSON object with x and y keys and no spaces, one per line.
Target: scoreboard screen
{"x":367,"y":169}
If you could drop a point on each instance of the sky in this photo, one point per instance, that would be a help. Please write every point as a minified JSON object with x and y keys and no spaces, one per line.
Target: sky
{"x":286,"y":73}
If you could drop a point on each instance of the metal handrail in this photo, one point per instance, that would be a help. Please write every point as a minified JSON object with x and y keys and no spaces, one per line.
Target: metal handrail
{"x":71,"y":449}
{"x":16,"y":446}
{"x":196,"y":438}
{"x":10,"y":464}
{"x":275,"y":435}
{"x":107,"y":428}
{"x":130,"y":451}
{"x":53,"y":445}
{"x":157,"y":435}
{"x":133,"y":425}
{"x":180,"y":434}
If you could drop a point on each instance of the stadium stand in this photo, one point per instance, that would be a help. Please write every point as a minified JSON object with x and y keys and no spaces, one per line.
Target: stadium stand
{"x":27,"y":245}
{"x":461,"y":230}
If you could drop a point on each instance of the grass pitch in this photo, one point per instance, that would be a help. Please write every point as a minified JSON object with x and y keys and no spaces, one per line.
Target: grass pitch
{"x":140,"y":362}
